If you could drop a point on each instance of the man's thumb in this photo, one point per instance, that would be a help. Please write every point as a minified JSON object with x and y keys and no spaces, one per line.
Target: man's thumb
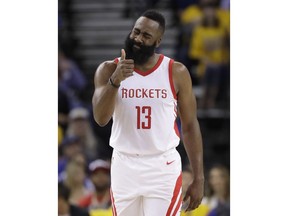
{"x":123,"y":54}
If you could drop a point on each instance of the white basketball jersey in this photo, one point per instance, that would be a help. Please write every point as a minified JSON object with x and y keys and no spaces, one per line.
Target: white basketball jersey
{"x":145,"y":112}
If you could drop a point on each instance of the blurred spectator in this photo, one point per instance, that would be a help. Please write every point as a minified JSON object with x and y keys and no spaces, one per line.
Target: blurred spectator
{"x":75,"y":180}
{"x":222,"y":209}
{"x":100,"y":177}
{"x":71,"y":80}
{"x":101,"y":212}
{"x":203,"y":209}
{"x":63,"y":110}
{"x":104,"y":150}
{"x":60,"y":135}
{"x":208,"y":45}
{"x":80,"y":126}
{"x":225,"y":4}
{"x":218,"y":194}
{"x":69,"y":148}
{"x":183,"y":4}
{"x":192,"y":17}
{"x":64,"y":207}
{"x":193,"y":14}
{"x":216,"y":202}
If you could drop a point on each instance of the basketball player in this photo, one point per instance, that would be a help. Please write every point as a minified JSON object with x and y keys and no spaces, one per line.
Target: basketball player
{"x":143,"y":91}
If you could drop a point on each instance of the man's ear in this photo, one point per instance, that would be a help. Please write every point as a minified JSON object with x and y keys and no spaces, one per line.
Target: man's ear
{"x":158,"y":42}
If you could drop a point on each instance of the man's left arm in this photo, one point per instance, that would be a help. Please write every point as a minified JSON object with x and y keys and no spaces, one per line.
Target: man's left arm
{"x":191,"y":134}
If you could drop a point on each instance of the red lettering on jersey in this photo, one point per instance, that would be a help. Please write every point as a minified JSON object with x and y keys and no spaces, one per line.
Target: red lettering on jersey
{"x":131,"y":93}
{"x":138,"y":93}
{"x":157,"y":91}
{"x":164,"y":93}
{"x":144,"y":93}
{"x":124,"y":92}
{"x":151,"y":93}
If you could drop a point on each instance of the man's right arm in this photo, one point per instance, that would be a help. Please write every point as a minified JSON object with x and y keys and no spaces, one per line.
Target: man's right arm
{"x":104,"y":96}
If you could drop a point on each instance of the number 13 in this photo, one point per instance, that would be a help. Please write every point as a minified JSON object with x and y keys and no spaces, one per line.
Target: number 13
{"x":146,"y":115}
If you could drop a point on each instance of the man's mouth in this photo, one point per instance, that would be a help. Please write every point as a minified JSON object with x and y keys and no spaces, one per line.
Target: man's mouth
{"x":136,"y":46}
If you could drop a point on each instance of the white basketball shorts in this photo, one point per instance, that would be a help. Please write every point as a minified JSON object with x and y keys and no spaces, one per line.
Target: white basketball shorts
{"x":146,"y":185}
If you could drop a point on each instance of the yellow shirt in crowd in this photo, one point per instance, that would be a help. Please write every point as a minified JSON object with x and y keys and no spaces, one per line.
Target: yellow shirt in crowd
{"x":101,"y":212}
{"x":60,"y":135}
{"x":194,"y":13}
{"x":202,"y":210}
{"x":208,"y":43}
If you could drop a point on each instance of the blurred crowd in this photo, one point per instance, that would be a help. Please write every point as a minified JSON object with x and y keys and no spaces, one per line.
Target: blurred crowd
{"x":83,"y":147}
{"x":204,"y":47}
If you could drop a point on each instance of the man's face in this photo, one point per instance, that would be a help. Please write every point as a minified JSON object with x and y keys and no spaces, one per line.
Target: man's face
{"x":72,"y":149}
{"x":80,"y":126}
{"x":101,"y":179}
{"x":140,"y":44}
{"x":218,"y":180}
{"x":139,"y":53}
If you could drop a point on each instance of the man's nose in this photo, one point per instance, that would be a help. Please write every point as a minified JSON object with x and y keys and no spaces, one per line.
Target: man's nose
{"x":139,"y":39}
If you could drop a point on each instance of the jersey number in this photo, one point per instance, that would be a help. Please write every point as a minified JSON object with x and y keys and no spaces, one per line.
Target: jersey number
{"x":143,"y":117}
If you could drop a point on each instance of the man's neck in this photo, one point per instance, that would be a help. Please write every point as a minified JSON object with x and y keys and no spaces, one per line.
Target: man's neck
{"x":149,"y":64}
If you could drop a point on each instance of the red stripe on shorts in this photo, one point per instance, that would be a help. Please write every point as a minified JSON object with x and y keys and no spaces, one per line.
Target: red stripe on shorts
{"x":113,"y":204}
{"x":178,"y":205}
{"x":176,"y":192}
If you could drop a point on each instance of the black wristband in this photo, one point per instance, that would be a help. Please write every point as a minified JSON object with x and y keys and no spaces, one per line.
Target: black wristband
{"x":111,"y":83}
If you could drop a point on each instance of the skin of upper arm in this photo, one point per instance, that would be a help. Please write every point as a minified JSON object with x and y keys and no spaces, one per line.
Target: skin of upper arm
{"x":102,"y":75}
{"x":185,"y":97}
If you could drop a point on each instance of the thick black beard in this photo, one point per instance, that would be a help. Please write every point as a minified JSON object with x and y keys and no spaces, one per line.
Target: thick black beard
{"x":140,"y":56}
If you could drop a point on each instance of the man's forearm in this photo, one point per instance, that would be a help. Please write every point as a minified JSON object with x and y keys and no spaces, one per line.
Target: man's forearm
{"x":193,"y":145}
{"x":103,"y":104}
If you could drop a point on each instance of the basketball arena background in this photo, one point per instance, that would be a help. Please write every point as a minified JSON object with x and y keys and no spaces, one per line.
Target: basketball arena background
{"x":90,"y":32}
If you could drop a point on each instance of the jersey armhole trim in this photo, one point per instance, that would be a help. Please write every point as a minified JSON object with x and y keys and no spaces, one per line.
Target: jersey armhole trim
{"x":116,"y":60}
{"x":171,"y":78}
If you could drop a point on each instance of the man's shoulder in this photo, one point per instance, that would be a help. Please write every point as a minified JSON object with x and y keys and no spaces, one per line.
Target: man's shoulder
{"x":181,"y":74}
{"x":109,"y":65}
{"x":175,"y":63}
{"x":179,"y":67}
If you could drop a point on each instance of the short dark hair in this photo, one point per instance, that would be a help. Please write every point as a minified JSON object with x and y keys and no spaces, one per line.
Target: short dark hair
{"x":156,"y":16}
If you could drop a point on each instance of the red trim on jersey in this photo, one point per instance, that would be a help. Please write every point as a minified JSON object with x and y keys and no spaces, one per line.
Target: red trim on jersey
{"x":176,"y":192}
{"x":113,"y":204}
{"x":177,"y":206}
{"x":116,"y":60}
{"x":176,"y":129}
{"x":145,"y":73}
{"x":171,"y":78}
